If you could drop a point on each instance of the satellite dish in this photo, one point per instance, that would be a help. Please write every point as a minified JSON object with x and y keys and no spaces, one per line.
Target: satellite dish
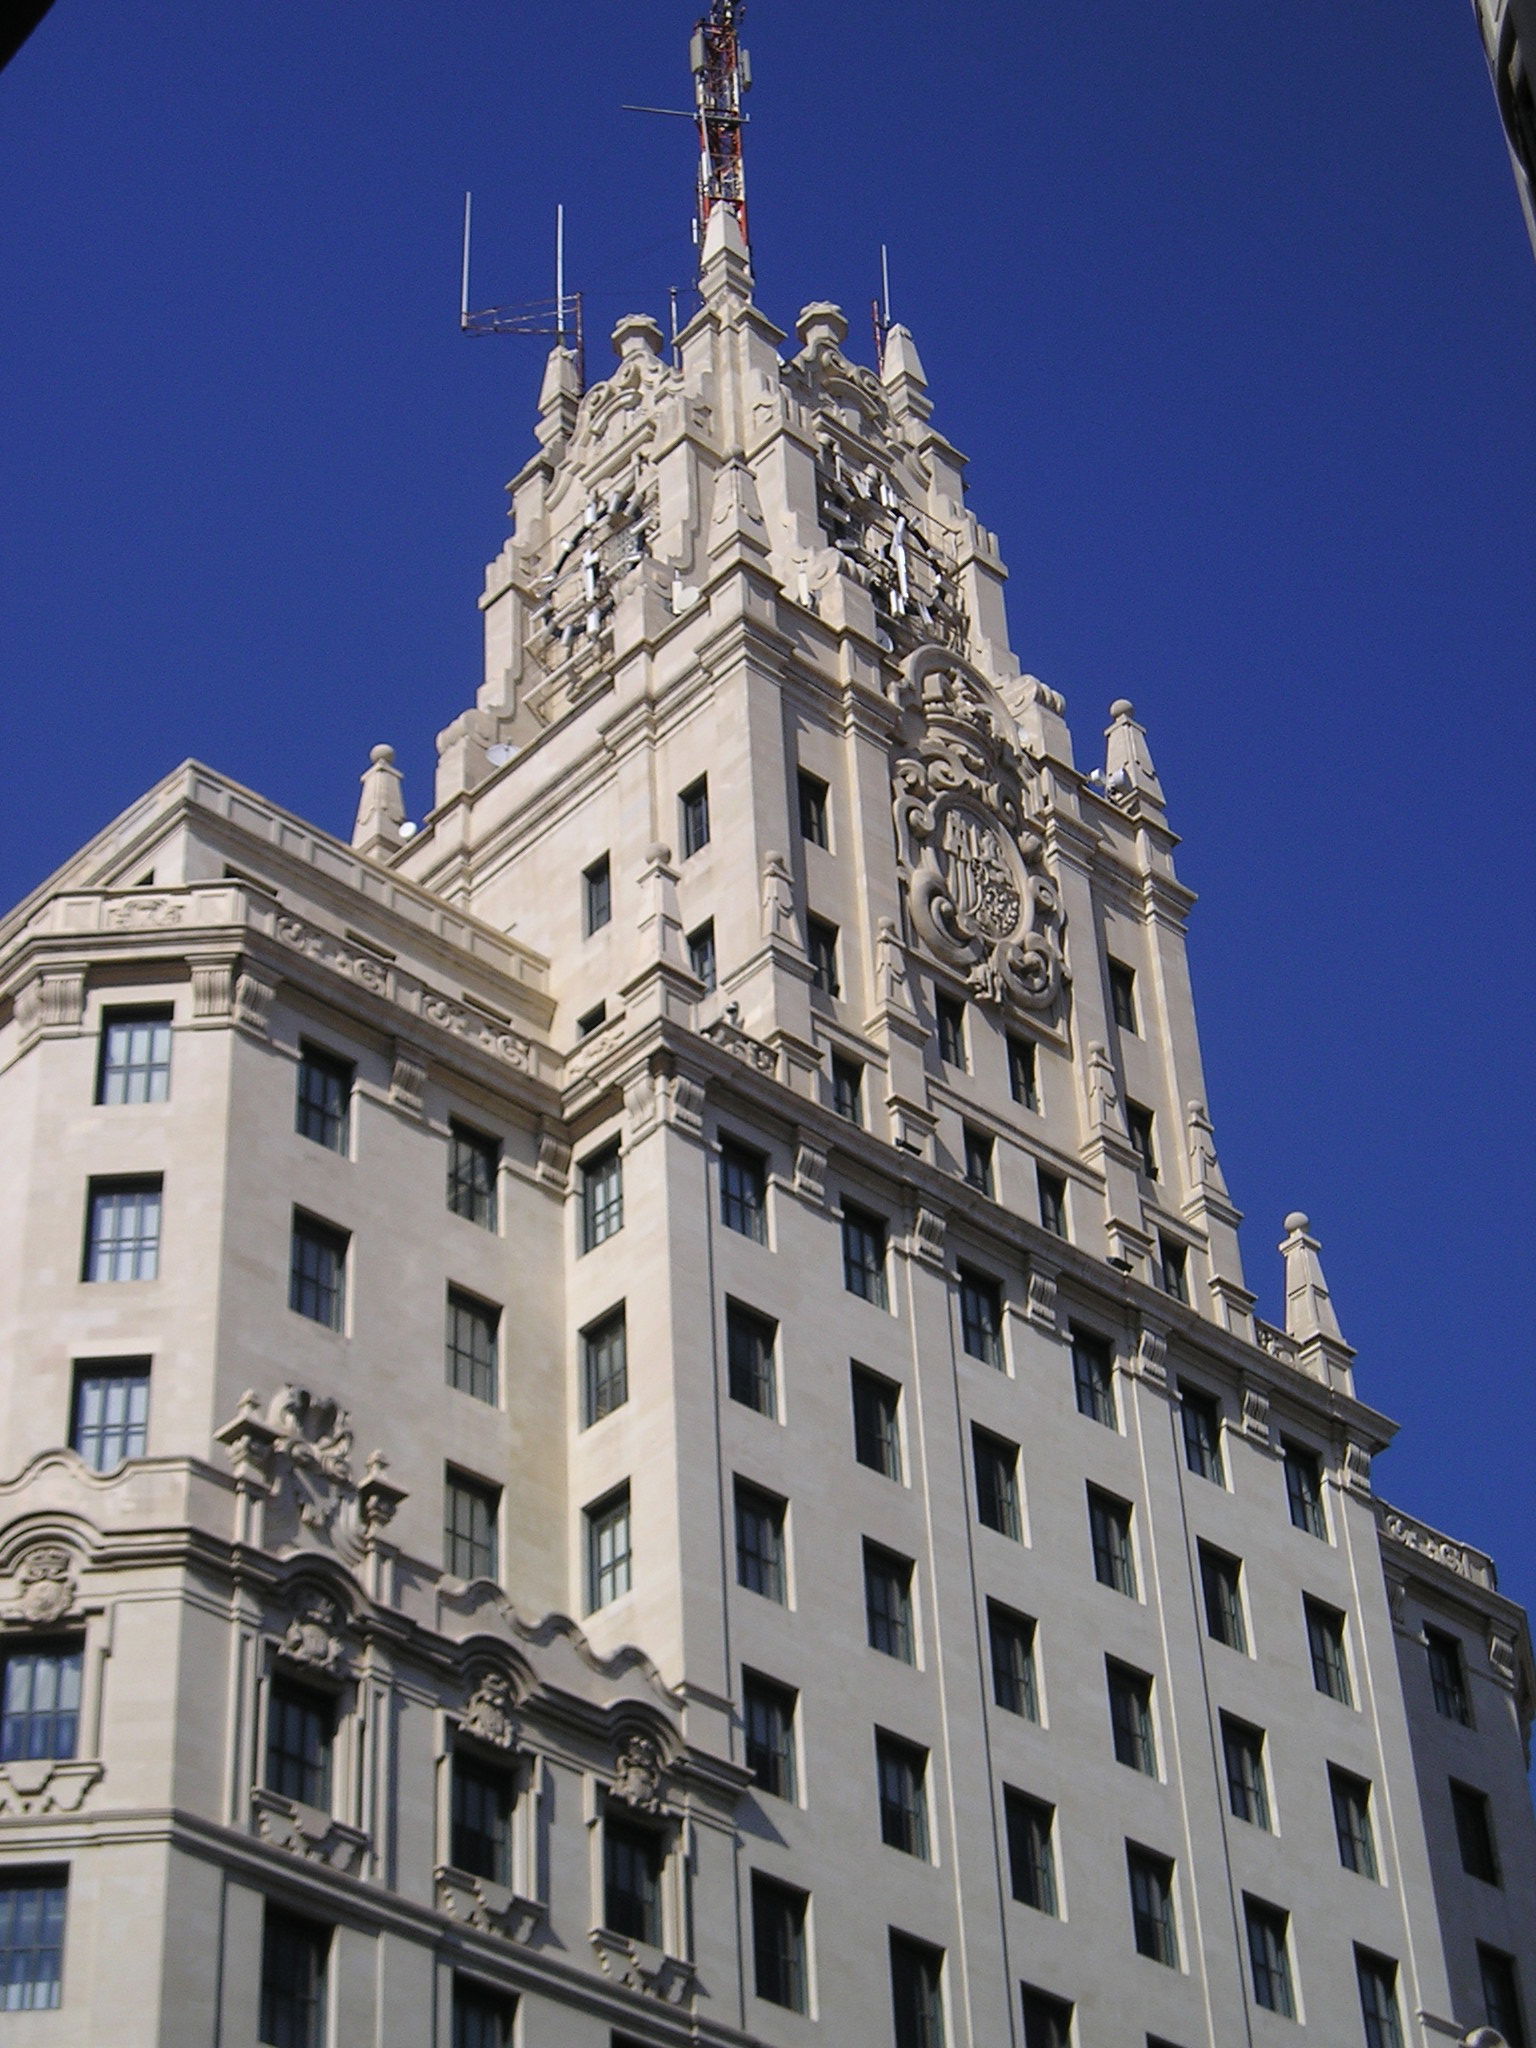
{"x":408,"y":830}
{"x":500,"y":754}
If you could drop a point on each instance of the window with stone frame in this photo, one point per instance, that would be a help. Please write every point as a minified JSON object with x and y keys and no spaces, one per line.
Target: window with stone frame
{"x":597,"y":895}
{"x":40,"y":1700}
{"x":949,"y":1025}
{"x":1472,"y":1813}
{"x":995,"y":1463}
{"x":474,"y":1163}
{"x":33,"y":1907}
{"x":1093,"y":1377}
{"x":134,"y":1066}
{"x":761,"y":1555}
{"x":1047,"y":2019}
{"x":482,"y":2018}
{"x":1304,"y":1487}
{"x":1269,"y":1956}
{"x":1139,"y":1126}
{"x":778,"y":1942}
{"x":768,"y":1712}
{"x":1326,"y":1647}
{"x":1109,"y":1529}
{"x":601,"y":1179}
{"x":1221,"y":1591}
{"x":981,"y":1316}
{"x":813,"y":808}
{"x":301,"y":1734}
{"x":1200,"y":1414}
{"x":848,"y":1088}
{"x":888,"y":1602}
{"x":471,"y":1344}
{"x":743,"y":1190}
{"x":1152,"y":1913}
{"x":1242,"y":1749}
{"x":693,"y":817}
{"x":1122,"y":996}
{"x":1023,"y":1072}
{"x":1130,"y":1717}
{"x":634,"y":1858}
{"x":1173,"y":1267}
{"x":1030,"y":1826}
{"x":1351,"y":1800}
{"x":317,"y":1271}
{"x":917,"y":1992}
{"x":876,"y":1421}
{"x":295,"y":1953}
{"x":1052,"y":1193}
{"x":1376,"y":1977}
{"x":480,"y":1818}
{"x":864,"y":1245}
{"x":751,"y":1341}
{"x":471,"y":1511}
{"x":979,"y":1149}
{"x":901,"y":1774}
{"x":122,"y":1237}
{"x":1011,"y":1646}
{"x":604,"y":1366}
{"x":821,"y":949}
{"x":701,"y":955}
{"x":323,"y":1103}
{"x":1448,"y":1676}
{"x":109,"y":1415}
{"x":1502,"y":2004}
{"x":609,"y":1553}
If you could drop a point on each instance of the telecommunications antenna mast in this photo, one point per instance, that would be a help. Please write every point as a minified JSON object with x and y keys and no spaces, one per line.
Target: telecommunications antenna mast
{"x":722,"y":72}
{"x":559,"y":316}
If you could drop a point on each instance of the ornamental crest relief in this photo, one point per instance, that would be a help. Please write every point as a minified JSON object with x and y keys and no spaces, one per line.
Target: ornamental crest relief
{"x":970,"y":849}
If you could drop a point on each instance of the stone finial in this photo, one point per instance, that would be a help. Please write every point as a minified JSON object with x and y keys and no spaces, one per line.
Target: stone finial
{"x":1308,"y":1308}
{"x":822,"y":324}
{"x":725,"y":264}
{"x":1204,"y":1167}
{"x":559,"y":396}
{"x":1128,"y":769}
{"x":637,"y":335}
{"x":902,"y":374}
{"x":381,"y":808}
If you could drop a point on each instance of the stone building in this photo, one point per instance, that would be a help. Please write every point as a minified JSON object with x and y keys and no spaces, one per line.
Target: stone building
{"x":633,"y":1417}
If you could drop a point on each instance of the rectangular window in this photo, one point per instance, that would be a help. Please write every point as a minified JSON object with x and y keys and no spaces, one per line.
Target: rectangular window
{"x":1202,"y":1434}
{"x":604,"y":1366}
{"x":848,"y":1088}
{"x":602,"y":1197}
{"x":813,"y":808}
{"x":996,"y":1464}
{"x":701,"y":955}
{"x":481,"y":1821}
{"x":876,"y":1422}
{"x":888,"y":1602}
{"x":901,"y":1773}
{"x":1173,"y":1267}
{"x":40,"y":1702}
{"x":1501,"y":1995}
{"x":864,"y":1255}
{"x":981,"y":1317}
{"x":1325,"y":1644}
{"x":1138,"y":1123}
{"x":123,"y":1229}
{"x":1047,"y":2020}
{"x":301,"y":1728}
{"x":821,"y":945}
{"x":1377,"y":1978}
{"x":1221,"y":1590}
{"x":1151,"y":1878}
{"x":1030,"y":1825}
{"x":1351,"y":1798}
{"x":1242,"y":1751}
{"x":760,"y":1558}
{"x":949,"y":1021}
{"x":109,"y":1420}
{"x":979,"y":1147}
{"x":294,"y":1953}
{"x":470,"y":1510}
{"x":1011,"y":1641}
{"x":471,"y":1345}
{"x":1474,"y":1833}
{"x":1269,"y":1957}
{"x":1109,"y":1527}
{"x":481,"y":2018}
{"x":768,"y":1733}
{"x":597,"y":895}
{"x":135,"y":1063}
{"x":778,"y":1942}
{"x":693,"y":815}
{"x":473,"y":1163}
{"x":32,"y":1906}
{"x":744,"y":1191}
{"x":1023,"y":1072}
{"x":609,"y":1555}
{"x":917,"y":1992}
{"x":1448,"y":1677}
{"x":591,"y":1020}
{"x":750,"y":1342}
{"x":1122,"y":995}
{"x":1093,"y":1377}
{"x":1304,"y":1488}
{"x":323,"y":1107}
{"x":317,"y":1271}
{"x":1130,"y":1717}
{"x":1052,"y":1191}
{"x":632,"y":1862}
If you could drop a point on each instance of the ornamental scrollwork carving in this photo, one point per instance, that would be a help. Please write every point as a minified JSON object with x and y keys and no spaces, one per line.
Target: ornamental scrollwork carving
{"x":313,"y":1635}
{"x":639,"y":1777}
{"x":46,"y":1582}
{"x":489,"y":1714}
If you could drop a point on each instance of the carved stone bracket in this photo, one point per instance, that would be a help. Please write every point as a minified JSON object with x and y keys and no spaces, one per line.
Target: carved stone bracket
{"x":1040,"y":1304}
{"x":554,"y":1163}
{"x":1357,"y":1470}
{"x":54,"y":1001}
{"x":408,"y":1079}
{"x":29,"y":1790}
{"x":253,"y":1003}
{"x":492,"y":1908}
{"x":810,"y":1168}
{"x":1502,"y":1658}
{"x":1152,"y":1354}
{"x":1255,"y":1413}
{"x":930,"y":1227}
{"x":213,"y":989}
{"x":640,"y":1967}
{"x":305,"y":1831}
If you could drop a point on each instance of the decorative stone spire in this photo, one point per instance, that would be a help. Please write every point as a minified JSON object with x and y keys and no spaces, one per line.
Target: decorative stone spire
{"x":381,"y":808}
{"x":725,"y":268}
{"x":1308,"y":1308}
{"x":902,"y":374}
{"x":559,"y":396}
{"x":821,"y":325}
{"x":1128,"y":770}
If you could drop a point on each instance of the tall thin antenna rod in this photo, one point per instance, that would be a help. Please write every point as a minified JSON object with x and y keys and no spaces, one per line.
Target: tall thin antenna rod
{"x":885,"y":284}
{"x":464,"y":282}
{"x":722,"y":72}
{"x":560,"y":274}
{"x":560,"y":317}
{"x":880,"y":309}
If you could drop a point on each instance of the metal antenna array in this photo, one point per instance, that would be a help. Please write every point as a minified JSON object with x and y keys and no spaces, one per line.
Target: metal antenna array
{"x":560,"y":316}
{"x":722,"y":72}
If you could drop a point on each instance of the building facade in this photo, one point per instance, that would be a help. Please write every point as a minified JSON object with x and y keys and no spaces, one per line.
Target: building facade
{"x":634,"y":1418}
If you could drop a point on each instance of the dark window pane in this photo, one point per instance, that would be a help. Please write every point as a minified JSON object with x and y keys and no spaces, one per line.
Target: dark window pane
{"x":1138,"y":1122}
{"x":1351,"y":1798}
{"x":1152,"y":1919}
{"x":1173,"y":1267}
{"x":609,"y":1559}
{"x":778,"y":1942}
{"x":1269,"y":1957}
{"x":1030,"y":1825}
{"x":768,"y":1727}
{"x":1474,"y":1833}
{"x":123,"y":1230}
{"x":978,"y":1160}
{"x":1023,"y":1084}
{"x":40,"y":1702}
{"x":632,"y":1860}
{"x":1093,"y":1377}
{"x":469,"y":1526}
{"x":1447,"y":1677}
{"x":293,"y":1959}
{"x":997,"y":1484}
{"x":1325,"y":1644}
{"x":876,"y":1422}
{"x":32,"y":1907}
{"x":1011,"y":1640}
{"x":901,"y":1771}
{"x":481,"y":2018}
{"x":1304,"y":1489}
{"x":111,"y":1412}
{"x":602,"y":1197}
{"x":821,"y":945}
{"x":848,"y":1088}
{"x":1377,"y":1978}
{"x":472,"y":1166}
{"x":317,"y":1272}
{"x":1122,"y":994}
{"x":888,"y":1602}
{"x":1053,"y":1202}
{"x":693,"y":806}
{"x":949,"y":1019}
{"x":743,"y":1191}
{"x":1202,"y":1434}
{"x":135,"y":1057}
{"x":864,"y":1256}
{"x":813,"y":808}
{"x":1047,"y":2020}
{"x":481,"y":1820}
{"x":597,"y":895}
{"x":1247,"y":1786}
{"x":917,"y":1998}
{"x":701,"y":955}
{"x":981,"y":1317}
{"x":1221,"y":1587}
{"x":749,"y":1354}
{"x":591,"y":1020}
{"x":323,"y":1108}
{"x":1130,"y":1717}
{"x":300,"y":1731}
{"x":1501,"y":1995}
{"x":1109,"y":1526}
{"x":604,"y":1366}
{"x":471,"y":1345}
{"x":760,"y":1563}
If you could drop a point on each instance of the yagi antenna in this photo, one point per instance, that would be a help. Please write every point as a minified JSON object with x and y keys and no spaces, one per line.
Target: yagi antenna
{"x":560,"y":316}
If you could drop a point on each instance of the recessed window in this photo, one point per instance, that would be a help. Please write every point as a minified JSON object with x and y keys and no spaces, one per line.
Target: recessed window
{"x":32,"y":1910}
{"x":471,"y":1509}
{"x":591,"y":1020}
{"x":1474,"y":1833}
{"x":1501,"y":1995}
{"x":1448,"y":1676}
{"x":633,"y":1855}
{"x":1023,"y":1075}
{"x":1173,"y":1267}
{"x":1093,"y":1377}
{"x":821,"y":948}
{"x":1377,"y":1979}
{"x":876,"y":1421}
{"x":301,"y":1727}
{"x":597,"y":895}
{"x":604,"y":1366}
{"x":693,"y":816}
{"x":135,"y":1062}
{"x":1304,"y":1488}
{"x":1122,"y":995}
{"x":322,"y":1111}
{"x":848,"y":1088}
{"x":1325,"y":1646}
{"x":1047,"y":2019}
{"x":768,"y":1733}
{"x":1242,"y":1749}
{"x":750,"y":1343}
{"x":122,"y":1239}
{"x":917,"y":1992}
{"x":1130,"y":1717}
{"x":39,"y":1703}
{"x":1152,"y":1921}
{"x":602,"y":1196}
{"x":109,"y":1420}
{"x":996,"y":1464}
{"x":1201,"y":1415}
{"x":1011,"y":1642}
{"x":1030,"y":1825}
{"x":864,"y":1255}
{"x":813,"y":808}
{"x":981,"y":1317}
{"x":701,"y":954}
{"x":480,"y":1831}
{"x":743,"y":1190}
{"x":979,"y":1148}
{"x":1351,"y":1797}
{"x":317,"y":1271}
{"x":609,"y":1557}
{"x":294,"y":1954}
{"x":1269,"y":1959}
{"x":473,"y":1161}
{"x":481,"y":2018}
{"x":1109,"y":1527}
{"x":1052,"y":1192}
{"x":1221,"y":1592}
{"x":949,"y":1022}
{"x":778,"y":1942}
{"x":760,"y":1551}
{"x":901,"y":1771}
{"x":1138,"y":1123}
{"x":888,"y":1602}
{"x":471,"y":1345}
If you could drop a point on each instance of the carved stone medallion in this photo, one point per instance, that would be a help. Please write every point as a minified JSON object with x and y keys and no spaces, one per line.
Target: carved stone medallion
{"x":489,"y":1712}
{"x":637,"y":1777}
{"x":46,"y":1582}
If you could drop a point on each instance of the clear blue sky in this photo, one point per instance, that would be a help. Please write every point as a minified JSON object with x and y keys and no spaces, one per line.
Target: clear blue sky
{"x":1232,"y":308}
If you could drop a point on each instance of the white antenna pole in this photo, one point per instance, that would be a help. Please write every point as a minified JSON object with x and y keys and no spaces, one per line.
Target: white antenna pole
{"x":560,"y":274}
{"x":464,"y":282}
{"x":885,"y":285}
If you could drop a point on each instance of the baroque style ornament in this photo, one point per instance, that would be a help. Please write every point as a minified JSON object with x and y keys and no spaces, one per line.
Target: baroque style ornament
{"x":45,"y":1578}
{"x":638,"y":1777}
{"x":971,"y":852}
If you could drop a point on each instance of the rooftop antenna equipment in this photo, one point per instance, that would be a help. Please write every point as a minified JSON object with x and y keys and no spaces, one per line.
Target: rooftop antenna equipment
{"x":722,"y":72}
{"x":880,"y":309}
{"x":560,"y":316}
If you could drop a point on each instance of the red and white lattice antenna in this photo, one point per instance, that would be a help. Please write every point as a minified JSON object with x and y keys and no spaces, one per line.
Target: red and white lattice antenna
{"x":722,"y":72}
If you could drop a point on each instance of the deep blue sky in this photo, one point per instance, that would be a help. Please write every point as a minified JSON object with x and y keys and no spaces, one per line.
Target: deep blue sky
{"x":1231,"y":307}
